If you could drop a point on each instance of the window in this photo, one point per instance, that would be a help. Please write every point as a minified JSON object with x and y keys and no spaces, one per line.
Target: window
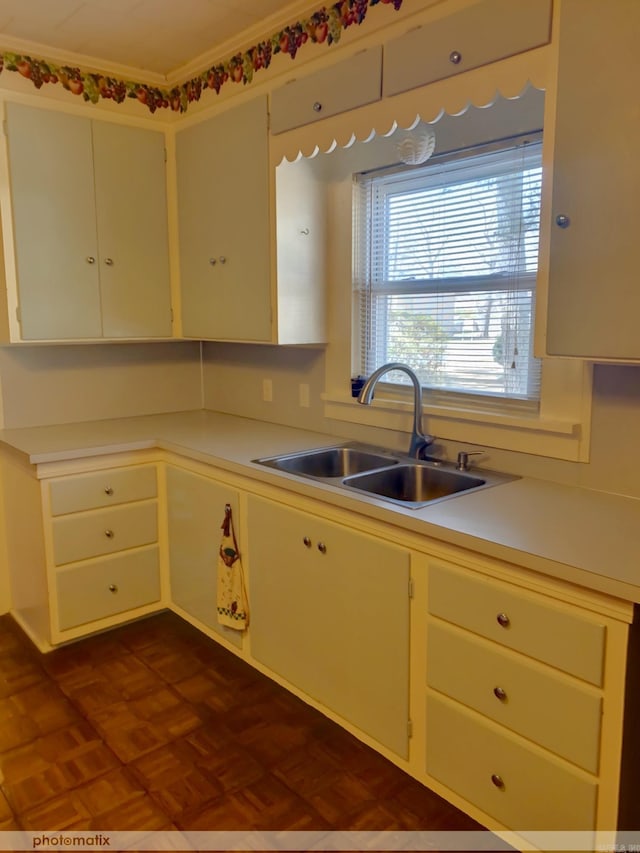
{"x":445,"y":270}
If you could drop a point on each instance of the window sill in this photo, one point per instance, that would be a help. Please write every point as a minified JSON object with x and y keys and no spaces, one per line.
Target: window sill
{"x":538,"y":435}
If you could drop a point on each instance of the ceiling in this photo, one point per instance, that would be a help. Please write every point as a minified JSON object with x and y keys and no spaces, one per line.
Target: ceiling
{"x":155,"y":38}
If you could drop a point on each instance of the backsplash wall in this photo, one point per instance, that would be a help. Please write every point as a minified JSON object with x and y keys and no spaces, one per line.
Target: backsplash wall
{"x":233,"y":376}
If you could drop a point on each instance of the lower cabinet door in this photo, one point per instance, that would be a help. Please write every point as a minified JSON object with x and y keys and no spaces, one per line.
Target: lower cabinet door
{"x":103,"y":588}
{"x":195,"y":511}
{"x":330,"y":614}
{"x":522,"y":787}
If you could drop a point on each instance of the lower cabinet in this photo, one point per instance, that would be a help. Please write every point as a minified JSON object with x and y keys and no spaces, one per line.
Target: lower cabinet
{"x":330,"y":614}
{"x":195,"y":512}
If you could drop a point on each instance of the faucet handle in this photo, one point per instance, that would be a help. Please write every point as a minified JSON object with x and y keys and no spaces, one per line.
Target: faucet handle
{"x":463,"y":458}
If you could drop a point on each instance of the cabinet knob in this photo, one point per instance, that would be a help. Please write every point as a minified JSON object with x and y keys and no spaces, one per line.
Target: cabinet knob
{"x":91,"y":260}
{"x":562,"y":221}
{"x":498,"y":781}
{"x":212,"y":261}
{"x":222,"y":259}
{"x":455,"y":57}
{"x":113,"y":587}
{"x":307,"y":542}
{"x":322,"y":548}
{"x":108,"y":490}
{"x":503,"y":620}
{"x":108,"y":262}
{"x":500,"y":694}
{"x":109,"y":534}
{"x":317,"y":107}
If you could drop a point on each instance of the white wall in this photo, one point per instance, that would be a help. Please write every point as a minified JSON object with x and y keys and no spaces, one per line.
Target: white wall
{"x":63,"y":384}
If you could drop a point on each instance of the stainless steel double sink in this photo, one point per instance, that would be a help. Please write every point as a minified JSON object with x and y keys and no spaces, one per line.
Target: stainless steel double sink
{"x":377,"y":473}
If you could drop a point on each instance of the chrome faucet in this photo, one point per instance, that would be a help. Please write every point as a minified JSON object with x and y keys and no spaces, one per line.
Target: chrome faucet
{"x":419,"y":441}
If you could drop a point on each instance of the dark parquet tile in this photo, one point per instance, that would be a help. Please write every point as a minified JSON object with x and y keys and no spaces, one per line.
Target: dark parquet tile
{"x":154,"y":726}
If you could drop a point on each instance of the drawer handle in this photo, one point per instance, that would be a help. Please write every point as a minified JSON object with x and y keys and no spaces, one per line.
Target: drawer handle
{"x":317,"y":107}
{"x":108,"y":490}
{"x":455,"y":57}
{"x":109,"y":534}
{"x":113,"y":587}
{"x":503,"y":620}
{"x":322,"y":548}
{"x":498,"y":781}
{"x":500,"y":694}
{"x":307,"y":542}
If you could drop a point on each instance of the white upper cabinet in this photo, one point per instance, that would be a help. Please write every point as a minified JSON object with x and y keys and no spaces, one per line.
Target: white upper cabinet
{"x":344,"y":86}
{"x":251,"y":237}
{"x":594,"y":298}
{"x":89,"y":214}
{"x":484,"y":32}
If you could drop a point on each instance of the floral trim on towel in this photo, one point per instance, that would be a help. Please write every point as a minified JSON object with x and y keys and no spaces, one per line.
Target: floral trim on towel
{"x":324,"y":26}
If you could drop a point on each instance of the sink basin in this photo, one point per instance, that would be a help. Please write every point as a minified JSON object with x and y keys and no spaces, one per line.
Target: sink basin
{"x":413,"y":485}
{"x":329,"y":462}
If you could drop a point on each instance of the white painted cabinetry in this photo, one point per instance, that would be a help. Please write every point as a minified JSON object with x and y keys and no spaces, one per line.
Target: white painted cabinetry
{"x":247,"y":274}
{"x":330,"y":614}
{"x":88,"y":211}
{"x":594,"y":299}
{"x":195,"y":511}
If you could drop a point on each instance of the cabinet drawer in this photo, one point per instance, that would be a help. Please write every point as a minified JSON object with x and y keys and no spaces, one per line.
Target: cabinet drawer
{"x":106,"y":587}
{"x":91,"y":534}
{"x":342,"y":87}
{"x":102,"y":488}
{"x":532,"y":791}
{"x":483,"y":33}
{"x":546,"y":707}
{"x":519,"y":620}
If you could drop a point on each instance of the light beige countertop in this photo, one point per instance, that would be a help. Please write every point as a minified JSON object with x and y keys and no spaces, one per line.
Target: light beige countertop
{"x":577,"y":535}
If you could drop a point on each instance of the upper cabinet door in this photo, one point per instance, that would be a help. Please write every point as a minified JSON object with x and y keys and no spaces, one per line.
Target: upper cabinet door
{"x":56,"y":247}
{"x":90,"y":227}
{"x":224,"y":225}
{"x":485,"y":32}
{"x":131,"y":213}
{"x":594,"y":298}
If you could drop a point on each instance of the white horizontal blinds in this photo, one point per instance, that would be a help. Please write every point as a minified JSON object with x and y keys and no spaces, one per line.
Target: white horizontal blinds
{"x":445,"y":278}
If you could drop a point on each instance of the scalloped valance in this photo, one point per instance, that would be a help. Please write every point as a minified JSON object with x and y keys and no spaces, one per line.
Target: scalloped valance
{"x":509,"y":79}
{"x":323,"y":26}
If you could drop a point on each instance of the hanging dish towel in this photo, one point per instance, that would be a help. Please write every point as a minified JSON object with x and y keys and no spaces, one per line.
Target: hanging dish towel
{"x":233,"y":609}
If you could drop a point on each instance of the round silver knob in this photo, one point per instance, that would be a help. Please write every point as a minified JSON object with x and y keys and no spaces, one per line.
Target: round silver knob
{"x":109,"y":534}
{"x":317,"y":107}
{"x":562,"y":221}
{"x":212,"y":261}
{"x":108,"y":262}
{"x":108,"y":490}
{"x":500,"y":694}
{"x":113,"y":587}
{"x":455,"y":57}
{"x":322,"y":548}
{"x":307,"y":542}
{"x":222,"y":259}
{"x":498,"y":781}
{"x":503,"y":620}
{"x":91,"y":260}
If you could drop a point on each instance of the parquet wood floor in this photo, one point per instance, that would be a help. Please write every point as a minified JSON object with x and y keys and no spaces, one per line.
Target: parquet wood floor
{"x":154,"y":726}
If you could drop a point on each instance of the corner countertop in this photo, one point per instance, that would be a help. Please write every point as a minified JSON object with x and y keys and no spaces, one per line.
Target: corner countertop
{"x":581,"y":536}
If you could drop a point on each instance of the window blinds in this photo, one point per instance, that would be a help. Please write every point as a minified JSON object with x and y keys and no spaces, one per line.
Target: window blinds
{"x":445,"y":269}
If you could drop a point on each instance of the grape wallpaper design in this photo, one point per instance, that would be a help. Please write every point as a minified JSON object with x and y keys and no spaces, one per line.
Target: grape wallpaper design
{"x":324,"y":26}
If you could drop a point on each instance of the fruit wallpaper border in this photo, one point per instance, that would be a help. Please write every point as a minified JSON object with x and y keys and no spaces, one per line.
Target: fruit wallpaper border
{"x":324,"y":26}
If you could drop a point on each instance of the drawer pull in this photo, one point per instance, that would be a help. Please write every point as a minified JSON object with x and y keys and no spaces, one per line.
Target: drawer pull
{"x":113,"y":587}
{"x":503,"y":620}
{"x":108,"y":490}
{"x":455,"y":57}
{"x":109,"y":534}
{"x":317,"y":107}
{"x":500,"y":694}
{"x":498,"y":781}
{"x":322,"y":548}
{"x":307,"y":542}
